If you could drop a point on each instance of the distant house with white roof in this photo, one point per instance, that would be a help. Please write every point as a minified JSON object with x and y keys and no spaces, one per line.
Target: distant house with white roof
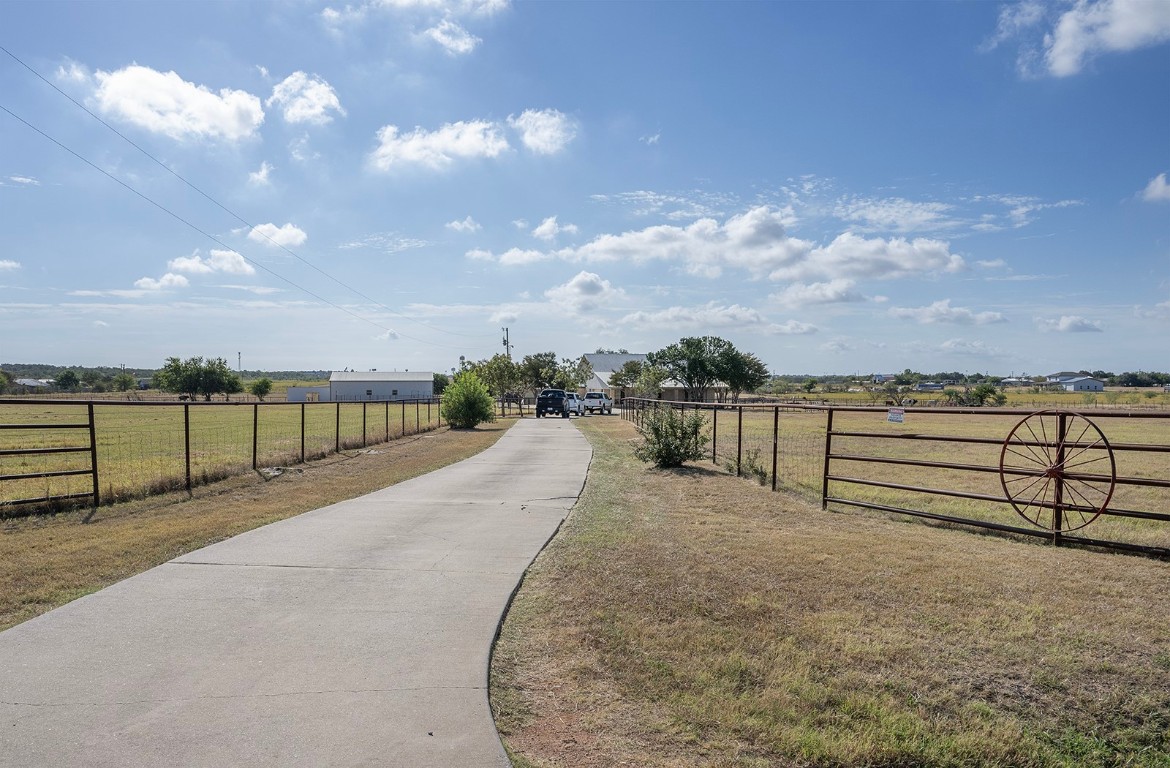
{"x":1083,"y":384}
{"x":606,"y":364}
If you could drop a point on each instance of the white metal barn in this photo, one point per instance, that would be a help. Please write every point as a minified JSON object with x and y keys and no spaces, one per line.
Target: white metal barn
{"x":1084,"y":384}
{"x":352,"y":386}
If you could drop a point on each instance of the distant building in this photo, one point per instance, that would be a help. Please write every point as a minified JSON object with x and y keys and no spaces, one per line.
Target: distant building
{"x":1083,"y":384}
{"x":606,"y":364}
{"x":1063,"y":376}
{"x":356,"y":386}
{"x":33,"y":383}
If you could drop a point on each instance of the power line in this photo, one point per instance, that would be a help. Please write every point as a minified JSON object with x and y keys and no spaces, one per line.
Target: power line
{"x":221,"y":206}
{"x":210,"y":236}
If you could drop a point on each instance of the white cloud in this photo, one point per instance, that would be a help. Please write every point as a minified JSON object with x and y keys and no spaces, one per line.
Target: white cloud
{"x":895,"y":215}
{"x":651,"y":140}
{"x":679,"y":206}
{"x":72,"y":72}
{"x":1075,"y":36}
{"x":438,"y":149}
{"x":164,"y":103}
{"x":1069,"y":324}
{"x":387,"y":242}
{"x":454,"y":39}
{"x":479,"y":254}
{"x":517,"y":257}
{"x":991,"y":264}
{"x":974,"y":348}
{"x":259,"y":177}
{"x":545,"y":132}
{"x":710,"y":315}
{"x":306,"y":99}
{"x":100,"y":324}
{"x":1091,"y":28}
{"x":387,"y":335}
{"x":837,"y":346}
{"x":943,"y":312}
{"x":549,"y":229}
{"x":586,"y":292}
{"x":27,"y":181}
{"x":467,"y":225}
{"x":1157,"y":191}
{"x":790,"y":328}
{"x":274,"y":236}
{"x":7,"y":265}
{"x":851,"y":256}
{"x":229,"y":262}
{"x":169,"y":280}
{"x":832,"y":292}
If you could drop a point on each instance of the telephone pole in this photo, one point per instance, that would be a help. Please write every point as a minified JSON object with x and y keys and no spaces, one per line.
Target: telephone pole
{"x":507,"y":345}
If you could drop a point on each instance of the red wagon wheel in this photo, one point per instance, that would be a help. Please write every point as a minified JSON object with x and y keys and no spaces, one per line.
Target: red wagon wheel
{"x":1057,"y":470}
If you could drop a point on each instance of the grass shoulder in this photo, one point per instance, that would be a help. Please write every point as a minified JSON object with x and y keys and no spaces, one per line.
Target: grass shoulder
{"x":693,"y":618}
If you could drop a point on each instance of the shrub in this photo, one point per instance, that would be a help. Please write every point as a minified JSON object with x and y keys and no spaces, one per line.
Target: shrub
{"x":672,"y":437}
{"x":261,"y":387}
{"x":466,"y":402}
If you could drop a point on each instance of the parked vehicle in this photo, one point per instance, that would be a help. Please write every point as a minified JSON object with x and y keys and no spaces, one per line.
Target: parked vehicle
{"x":574,"y":404}
{"x":598,"y":402}
{"x":552,"y":401}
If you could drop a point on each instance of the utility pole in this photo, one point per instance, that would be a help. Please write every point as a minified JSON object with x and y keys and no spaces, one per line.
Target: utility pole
{"x":239,"y":361}
{"x":507,"y":345}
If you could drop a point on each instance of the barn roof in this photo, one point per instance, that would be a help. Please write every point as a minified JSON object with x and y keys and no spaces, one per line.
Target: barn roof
{"x":358,"y":376}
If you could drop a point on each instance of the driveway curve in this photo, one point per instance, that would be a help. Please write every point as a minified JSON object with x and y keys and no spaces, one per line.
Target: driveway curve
{"x":354,"y":635}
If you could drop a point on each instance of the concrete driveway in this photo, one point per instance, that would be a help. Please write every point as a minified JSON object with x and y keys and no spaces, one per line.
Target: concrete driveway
{"x":354,"y":635}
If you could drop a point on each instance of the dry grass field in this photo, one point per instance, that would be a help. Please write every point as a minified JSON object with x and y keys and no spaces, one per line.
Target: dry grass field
{"x":141,"y":448}
{"x":692,"y":618}
{"x":48,"y":561}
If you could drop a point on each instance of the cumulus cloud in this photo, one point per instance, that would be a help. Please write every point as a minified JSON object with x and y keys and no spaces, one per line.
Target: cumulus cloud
{"x":305,"y":99}
{"x":438,"y":149}
{"x":518,"y":257}
{"x":790,"y":328}
{"x":544,"y":131}
{"x":1069,"y":324}
{"x":454,"y":39}
{"x":549,"y":229}
{"x":1061,"y":42}
{"x":943,"y":312}
{"x":586,"y":292}
{"x":831,"y":292}
{"x":274,"y":236}
{"x":259,"y":177}
{"x":1157,"y":191}
{"x":711,"y":315}
{"x":851,"y":256}
{"x":973,"y":348}
{"x":466,"y":225}
{"x":387,"y":335}
{"x":164,"y":103}
{"x":228,"y":262}
{"x":8,"y":265}
{"x":169,"y":280}
{"x":479,"y":254}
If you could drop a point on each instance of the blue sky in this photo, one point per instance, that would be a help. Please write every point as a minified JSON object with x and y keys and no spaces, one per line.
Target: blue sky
{"x":837,"y":187}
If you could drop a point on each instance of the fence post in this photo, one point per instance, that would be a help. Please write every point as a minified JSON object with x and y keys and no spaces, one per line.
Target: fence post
{"x":739,"y":445}
{"x":428,"y":413}
{"x":302,"y":433}
{"x":93,"y":457}
{"x":714,"y":432}
{"x":187,"y":441}
{"x":363,"y":423}
{"x":417,"y":425}
{"x":337,"y":430}
{"x":775,"y":442}
{"x":439,"y":411}
{"x":387,"y":422}
{"x":403,"y":432}
{"x":828,"y":452}
{"x":255,"y":431}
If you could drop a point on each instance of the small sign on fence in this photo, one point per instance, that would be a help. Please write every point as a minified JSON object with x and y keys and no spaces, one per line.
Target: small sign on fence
{"x":896,"y":415}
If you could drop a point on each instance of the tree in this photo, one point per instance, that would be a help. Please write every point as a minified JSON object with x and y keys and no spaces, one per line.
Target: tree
{"x":499,"y":374}
{"x":68,"y":380}
{"x":538,"y":371}
{"x":572,"y":374}
{"x":649,"y":381}
{"x":442,"y":381}
{"x":261,"y":387}
{"x":693,"y":362}
{"x":124,"y":382}
{"x":194,"y":377}
{"x":5,"y":381}
{"x":742,"y":372}
{"x":626,"y":376}
{"x":809,"y":385}
{"x":467,"y":402}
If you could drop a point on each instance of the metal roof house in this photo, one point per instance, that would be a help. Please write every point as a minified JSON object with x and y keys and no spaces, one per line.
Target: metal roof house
{"x":1083,"y":384}
{"x":356,"y":386}
{"x":605,"y":364}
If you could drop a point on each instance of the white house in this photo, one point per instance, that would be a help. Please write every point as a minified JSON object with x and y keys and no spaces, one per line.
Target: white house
{"x":1062,"y":377}
{"x":1083,"y":384}
{"x":356,"y":386}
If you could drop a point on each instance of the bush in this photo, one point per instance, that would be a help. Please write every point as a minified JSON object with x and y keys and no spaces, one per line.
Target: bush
{"x":672,"y":437}
{"x":261,"y":387}
{"x":466,"y":402}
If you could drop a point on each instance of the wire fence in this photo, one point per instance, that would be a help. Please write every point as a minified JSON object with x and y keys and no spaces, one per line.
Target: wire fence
{"x":137,"y":449}
{"x":1097,"y":480}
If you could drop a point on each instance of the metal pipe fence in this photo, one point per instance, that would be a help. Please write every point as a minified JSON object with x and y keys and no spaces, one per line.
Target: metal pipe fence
{"x":56,"y":453}
{"x":1100,"y":480}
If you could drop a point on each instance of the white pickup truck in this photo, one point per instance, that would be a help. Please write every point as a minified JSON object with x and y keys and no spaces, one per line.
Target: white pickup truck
{"x":598,"y":401}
